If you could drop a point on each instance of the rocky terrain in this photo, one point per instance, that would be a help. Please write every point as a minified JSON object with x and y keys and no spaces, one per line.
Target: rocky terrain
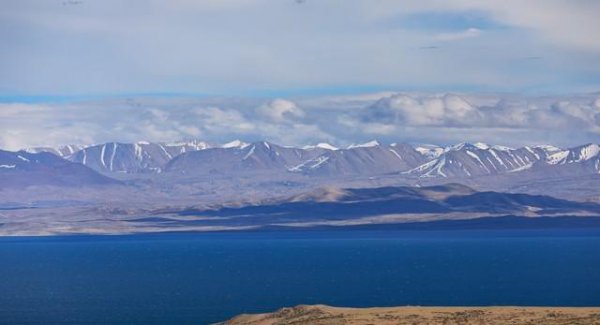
{"x":326,"y":315}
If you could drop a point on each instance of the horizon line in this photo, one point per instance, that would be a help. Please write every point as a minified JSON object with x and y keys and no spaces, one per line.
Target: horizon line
{"x":273,"y":93}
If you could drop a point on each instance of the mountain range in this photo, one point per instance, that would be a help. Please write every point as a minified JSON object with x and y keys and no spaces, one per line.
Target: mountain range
{"x":194,"y":185}
{"x":463,"y":160}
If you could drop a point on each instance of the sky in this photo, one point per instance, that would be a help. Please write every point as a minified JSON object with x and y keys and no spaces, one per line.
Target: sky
{"x":343,"y":71}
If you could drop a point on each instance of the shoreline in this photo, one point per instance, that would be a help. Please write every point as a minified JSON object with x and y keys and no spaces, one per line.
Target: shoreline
{"x":506,"y":223}
{"x":328,"y":315}
{"x":324,"y":232}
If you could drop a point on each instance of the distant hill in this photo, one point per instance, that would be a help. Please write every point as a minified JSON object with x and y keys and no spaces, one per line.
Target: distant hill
{"x":388,"y":205}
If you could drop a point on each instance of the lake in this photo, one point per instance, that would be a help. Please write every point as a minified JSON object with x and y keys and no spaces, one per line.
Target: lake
{"x":207,"y":277}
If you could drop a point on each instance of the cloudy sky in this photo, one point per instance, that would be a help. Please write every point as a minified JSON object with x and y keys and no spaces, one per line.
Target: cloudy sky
{"x":88,"y":71}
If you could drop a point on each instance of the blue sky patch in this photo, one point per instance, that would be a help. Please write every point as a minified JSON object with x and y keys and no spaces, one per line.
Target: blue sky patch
{"x":447,"y":21}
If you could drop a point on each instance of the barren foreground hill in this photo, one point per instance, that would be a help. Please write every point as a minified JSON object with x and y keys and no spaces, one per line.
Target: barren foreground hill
{"x":326,"y":315}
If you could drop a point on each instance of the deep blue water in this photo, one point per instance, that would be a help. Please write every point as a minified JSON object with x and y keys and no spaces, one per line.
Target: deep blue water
{"x":203,"y":278}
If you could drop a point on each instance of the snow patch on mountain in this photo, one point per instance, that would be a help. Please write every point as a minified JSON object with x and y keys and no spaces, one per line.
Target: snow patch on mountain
{"x":481,"y":145}
{"x":249,"y":153}
{"x":235,"y":144}
{"x":575,"y":155}
{"x":430,"y":151}
{"x":369,"y":144}
{"x":22,"y":158}
{"x":558,"y":158}
{"x":518,"y":169}
{"x":321,"y":145}
{"x":429,"y":169}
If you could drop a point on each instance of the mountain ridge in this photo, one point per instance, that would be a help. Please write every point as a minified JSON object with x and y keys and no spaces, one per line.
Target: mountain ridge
{"x":22,"y":169}
{"x":464,"y":162}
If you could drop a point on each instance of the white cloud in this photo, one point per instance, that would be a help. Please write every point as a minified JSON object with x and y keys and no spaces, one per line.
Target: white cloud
{"x":158,"y":120}
{"x":403,"y":117}
{"x":428,"y":110}
{"x":280,"y":110}
{"x":455,"y":36}
{"x":215,"y":119}
{"x":450,"y":110}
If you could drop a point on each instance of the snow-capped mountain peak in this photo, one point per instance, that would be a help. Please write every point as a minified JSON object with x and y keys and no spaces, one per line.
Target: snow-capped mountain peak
{"x":472,"y":146}
{"x":502,"y":148}
{"x":369,"y":144}
{"x":430,"y":151}
{"x":589,"y":151}
{"x":457,"y":147}
{"x":61,"y":151}
{"x":189,"y":145}
{"x":548,"y":148}
{"x":481,"y":145}
{"x":321,"y":145}
{"x":460,"y":160}
{"x":235,"y":144}
{"x":574,"y":155}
